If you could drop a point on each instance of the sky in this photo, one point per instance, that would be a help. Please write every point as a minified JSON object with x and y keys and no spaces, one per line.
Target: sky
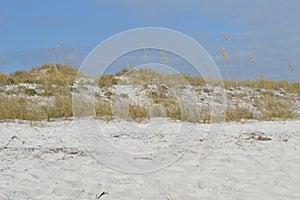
{"x":34,"y":32}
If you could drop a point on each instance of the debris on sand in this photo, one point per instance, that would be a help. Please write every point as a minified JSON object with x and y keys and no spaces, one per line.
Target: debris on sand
{"x":98,"y":196}
{"x":257,"y":136}
{"x":142,"y":158}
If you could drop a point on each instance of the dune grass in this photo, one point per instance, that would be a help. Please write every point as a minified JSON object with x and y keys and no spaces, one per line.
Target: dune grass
{"x":23,"y":108}
{"x":57,"y":80}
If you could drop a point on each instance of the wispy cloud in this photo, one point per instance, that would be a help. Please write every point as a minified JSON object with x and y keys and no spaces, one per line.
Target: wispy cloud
{"x":268,"y":28}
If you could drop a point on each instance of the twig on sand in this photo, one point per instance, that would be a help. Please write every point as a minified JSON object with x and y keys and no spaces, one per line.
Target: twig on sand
{"x":13,"y":138}
{"x":142,"y":158}
{"x":68,"y":151}
{"x":98,"y":196}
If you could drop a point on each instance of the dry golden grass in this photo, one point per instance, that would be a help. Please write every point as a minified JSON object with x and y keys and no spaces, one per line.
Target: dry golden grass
{"x":104,"y":111}
{"x":137,"y":112}
{"x":50,"y":76}
{"x":3,"y":79}
{"x":22,"y":108}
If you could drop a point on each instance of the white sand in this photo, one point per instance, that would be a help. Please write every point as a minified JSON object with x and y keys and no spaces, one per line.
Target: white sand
{"x":49,"y":161}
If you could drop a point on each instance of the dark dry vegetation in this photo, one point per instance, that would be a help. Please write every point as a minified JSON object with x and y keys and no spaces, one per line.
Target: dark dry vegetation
{"x":56,"y":81}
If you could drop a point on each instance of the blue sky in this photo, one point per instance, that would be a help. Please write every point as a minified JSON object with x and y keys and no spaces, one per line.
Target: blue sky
{"x":35,"y":32}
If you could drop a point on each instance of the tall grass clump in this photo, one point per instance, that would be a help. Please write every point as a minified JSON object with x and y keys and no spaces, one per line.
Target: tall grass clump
{"x":22,"y":108}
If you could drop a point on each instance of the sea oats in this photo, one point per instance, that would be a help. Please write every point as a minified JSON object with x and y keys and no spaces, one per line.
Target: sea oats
{"x":292,"y":66}
{"x":226,"y":37}
{"x":251,"y":57}
{"x":224,"y":54}
{"x":146,"y":55}
{"x":163,"y":56}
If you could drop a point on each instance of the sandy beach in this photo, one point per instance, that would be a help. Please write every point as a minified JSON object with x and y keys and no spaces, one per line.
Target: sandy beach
{"x":251,"y":160}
